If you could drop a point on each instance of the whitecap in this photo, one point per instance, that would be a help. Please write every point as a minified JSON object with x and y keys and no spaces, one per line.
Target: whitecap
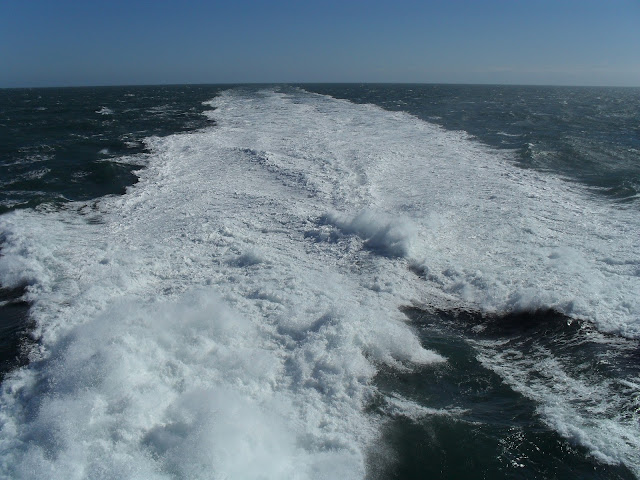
{"x":105,"y":111}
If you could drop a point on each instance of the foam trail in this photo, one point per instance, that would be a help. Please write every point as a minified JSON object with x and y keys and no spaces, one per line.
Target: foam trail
{"x":227,"y":315}
{"x":189,"y":329}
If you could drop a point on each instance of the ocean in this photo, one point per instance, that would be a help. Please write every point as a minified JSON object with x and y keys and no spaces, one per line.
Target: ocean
{"x":323,"y":281}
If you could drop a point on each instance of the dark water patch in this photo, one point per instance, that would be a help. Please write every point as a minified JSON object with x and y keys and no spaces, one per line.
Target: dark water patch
{"x":462,"y":420}
{"x":580,"y":345}
{"x":543,"y":321}
{"x":15,"y":325}
{"x":73,"y":132}
{"x":440,"y":448}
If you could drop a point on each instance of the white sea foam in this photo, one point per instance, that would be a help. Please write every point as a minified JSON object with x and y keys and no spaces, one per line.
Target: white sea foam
{"x":398,"y":406}
{"x":104,"y":111}
{"x":380,"y":232}
{"x":189,"y":329}
{"x":226,"y":316}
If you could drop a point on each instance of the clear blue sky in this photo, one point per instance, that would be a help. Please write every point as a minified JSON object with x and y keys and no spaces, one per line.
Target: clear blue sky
{"x":95,"y":42}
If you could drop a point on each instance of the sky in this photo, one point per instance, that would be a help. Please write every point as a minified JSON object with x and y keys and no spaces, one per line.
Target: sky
{"x":118,"y":42}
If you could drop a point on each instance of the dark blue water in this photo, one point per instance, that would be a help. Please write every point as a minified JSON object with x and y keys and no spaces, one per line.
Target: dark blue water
{"x":59,"y":144}
{"x":501,"y":434}
{"x":78,"y":144}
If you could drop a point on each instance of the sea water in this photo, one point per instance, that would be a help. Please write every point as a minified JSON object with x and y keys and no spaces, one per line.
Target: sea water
{"x":320,"y":281}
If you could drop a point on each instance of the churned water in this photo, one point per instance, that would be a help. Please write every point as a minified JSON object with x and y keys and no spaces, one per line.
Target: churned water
{"x":320,"y":281}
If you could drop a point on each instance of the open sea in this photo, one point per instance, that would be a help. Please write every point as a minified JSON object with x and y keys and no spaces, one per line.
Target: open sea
{"x":320,"y":282}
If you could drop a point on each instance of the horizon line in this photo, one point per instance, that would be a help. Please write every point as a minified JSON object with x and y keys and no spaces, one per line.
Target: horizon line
{"x":488,"y":84}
